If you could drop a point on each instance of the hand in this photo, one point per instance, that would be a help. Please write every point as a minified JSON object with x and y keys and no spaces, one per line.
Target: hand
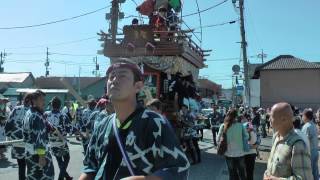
{"x":42,"y":161}
{"x":270,"y":178}
{"x":142,"y":178}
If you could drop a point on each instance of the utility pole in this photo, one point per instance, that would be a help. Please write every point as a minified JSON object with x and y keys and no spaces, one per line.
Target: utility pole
{"x":95,"y":60}
{"x":262,"y":56}
{"x":79,"y":90}
{"x":46,"y":64}
{"x":2,"y":57}
{"x":114,"y":20}
{"x":244,"y":53}
{"x":114,"y":17}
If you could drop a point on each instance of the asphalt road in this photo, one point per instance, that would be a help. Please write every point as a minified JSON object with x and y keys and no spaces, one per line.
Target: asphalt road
{"x":212,"y":167}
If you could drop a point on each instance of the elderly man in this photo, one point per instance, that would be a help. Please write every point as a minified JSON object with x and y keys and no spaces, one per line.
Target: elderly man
{"x":288,"y":158}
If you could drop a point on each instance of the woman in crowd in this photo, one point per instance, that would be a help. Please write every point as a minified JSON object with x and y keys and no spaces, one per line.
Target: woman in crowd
{"x":250,"y":155}
{"x":235,"y":145}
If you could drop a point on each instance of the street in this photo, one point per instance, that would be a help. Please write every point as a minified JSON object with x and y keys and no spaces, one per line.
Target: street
{"x":212,"y":167}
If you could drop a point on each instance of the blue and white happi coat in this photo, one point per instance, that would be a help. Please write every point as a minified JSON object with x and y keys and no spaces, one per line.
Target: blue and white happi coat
{"x":36,"y":137}
{"x":85,"y":116}
{"x":14,"y":131}
{"x":59,"y":122}
{"x":150,"y":144}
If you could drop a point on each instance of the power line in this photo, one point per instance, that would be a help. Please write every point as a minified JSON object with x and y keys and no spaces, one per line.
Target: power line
{"x":199,"y":14}
{"x":67,"y":54}
{"x":29,"y":61}
{"x":207,"y":9}
{"x":53,"y":22}
{"x":229,"y":59}
{"x":135,"y":2}
{"x":56,"y":44}
{"x":219,"y":24}
{"x":190,"y":30}
{"x":51,"y":53}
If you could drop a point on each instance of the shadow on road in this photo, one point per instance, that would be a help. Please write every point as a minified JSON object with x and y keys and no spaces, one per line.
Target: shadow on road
{"x":4,"y":163}
{"x":260,"y":167}
{"x":209,"y":168}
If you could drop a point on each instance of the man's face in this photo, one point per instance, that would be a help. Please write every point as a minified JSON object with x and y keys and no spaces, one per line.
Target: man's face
{"x":274,"y":120}
{"x":40,"y":103}
{"x":304,"y":118}
{"x":121,"y":85}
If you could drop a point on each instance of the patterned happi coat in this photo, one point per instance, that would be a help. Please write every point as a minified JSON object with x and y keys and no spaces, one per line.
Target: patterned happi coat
{"x":86,"y":113}
{"x":36,"y":138}
{"x":150,"y":144}
{"x":59,"y":122}
{"x":14,"y":131}
{"x":95,"y":119}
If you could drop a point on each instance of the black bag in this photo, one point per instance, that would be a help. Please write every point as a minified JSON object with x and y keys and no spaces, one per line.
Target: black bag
{"x":222,"y":145}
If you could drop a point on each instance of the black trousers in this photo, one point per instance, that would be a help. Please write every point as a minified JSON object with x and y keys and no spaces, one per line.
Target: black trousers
{"x":201,"y":132}
{"x":250,"y":160}
{"x":197,"y":148}
{"x":22,"y":168}
{"x":63,"y":162}
{"x":214,"y":135}
{"x":193,"y":150}
{"x":236,"y":167}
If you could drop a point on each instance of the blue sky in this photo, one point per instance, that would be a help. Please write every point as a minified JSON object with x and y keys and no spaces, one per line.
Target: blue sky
{"x":276,"y":26}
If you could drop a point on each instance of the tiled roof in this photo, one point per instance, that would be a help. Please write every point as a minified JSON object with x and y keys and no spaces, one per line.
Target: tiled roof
{"x":14,"y":77}
{"x":283,"y":62}
{"x":55,"y":83}
{"x":207,"y":84}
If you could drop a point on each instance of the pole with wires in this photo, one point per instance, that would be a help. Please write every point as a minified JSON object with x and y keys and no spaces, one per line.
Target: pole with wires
{"x":47,"y":63}
{"x":96,"y":71}
{"x":114,"y":20}
{"x":244,"y":53}
{"x":2,"y":57}
{"x":199,"y":14}
{"x":262,"y":56}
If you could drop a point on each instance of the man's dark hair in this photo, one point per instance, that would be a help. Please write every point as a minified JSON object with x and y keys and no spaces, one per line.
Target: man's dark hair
{"x":135,"y":21}
{"x":92,"y":104}
{"x":125,"y":63}
{"x":37,"y":94}
{"x":156,"y":103}
{"x":56,"y":103}
{"x":27,"y":98}
{"x":297,"y":124}
{"x":308,"y":113}
{"x":183,"y":105}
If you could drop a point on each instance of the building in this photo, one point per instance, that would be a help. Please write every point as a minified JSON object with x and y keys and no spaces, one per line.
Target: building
{"x":16,"y":80}
{"x":84,"y":86}
{"x":289,"y":79}
{"x":10,"y":82}
{"x":208,"y":89}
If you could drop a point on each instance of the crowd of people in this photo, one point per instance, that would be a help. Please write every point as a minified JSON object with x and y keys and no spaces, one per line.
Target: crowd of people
{"x":294,"y":153}
{"x":123,"y":138}
{"x":104,"y":128}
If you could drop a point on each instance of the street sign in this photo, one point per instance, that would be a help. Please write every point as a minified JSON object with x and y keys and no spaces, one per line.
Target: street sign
{"x":240,"y":88}
{"x":236,"y":69}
